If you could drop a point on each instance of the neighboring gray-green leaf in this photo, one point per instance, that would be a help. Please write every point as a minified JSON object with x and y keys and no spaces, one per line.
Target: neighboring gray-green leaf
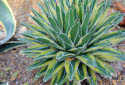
{"x":7,"y":19}
{"x":10,"y":45}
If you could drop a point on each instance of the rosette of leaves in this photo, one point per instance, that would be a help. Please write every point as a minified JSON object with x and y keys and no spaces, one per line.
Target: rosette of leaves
{"x":71,"y":41}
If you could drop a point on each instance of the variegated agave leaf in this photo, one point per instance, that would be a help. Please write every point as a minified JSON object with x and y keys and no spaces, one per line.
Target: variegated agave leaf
{"x":8,"y":22}
{"x":71,"y":41}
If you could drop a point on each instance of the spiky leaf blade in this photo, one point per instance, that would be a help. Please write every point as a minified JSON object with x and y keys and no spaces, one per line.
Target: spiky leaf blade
{"x":49,"y":53}
{"x":81,"y":73}
{"x":71,"y":68}
{"x":73,"y":33}
{"x":53,"y":68}
{"x":110,"y":54}
{"x":39,"y":64}
{"x":40,"y":73}
{"x":88,"y":59}
{"x":65,"y":41}
{"x":93,"y":79}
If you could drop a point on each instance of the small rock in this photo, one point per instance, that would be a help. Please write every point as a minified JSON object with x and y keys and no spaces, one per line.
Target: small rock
{"x":119,"y":82}
{"x":20,"y":30}
{"x":25,"y":84}
{"x":7,"y":69}
{"x":114,"y":82}
{"x":19,"y":76}
{"x":14,"y":76}
{"x":1,"y":74}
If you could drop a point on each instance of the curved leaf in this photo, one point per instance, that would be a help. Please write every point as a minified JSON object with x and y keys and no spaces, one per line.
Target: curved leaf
{"x":112,"y":35}
{"x":63,"y":55}
{"x":110,"y":54}
{"x":40,"y":73}
{"x":33,"y":27}
{"x":99,"y":67}
{"x":60,"y":78}
{"x":46,"y":54}
{"x":86,"y":23}
{"x":49,"y":42}
{"x":81,"y":73}
{"x":10,"y":45}
{"x":71,"y":68}
{"x":58,"y":14}
{"x":53,"y":68}
{"x":54,"y":25}
{"x":39,"y":64}
{"x":7,"y":19}
{"x":65,"y":41}
{"x":93,"y":79}
{"x":73,"y":33}
{"x":88,"y":59}
{"x":85,"y":39}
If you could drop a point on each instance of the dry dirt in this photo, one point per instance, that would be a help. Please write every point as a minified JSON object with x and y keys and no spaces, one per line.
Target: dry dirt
{"x":13,"y":64}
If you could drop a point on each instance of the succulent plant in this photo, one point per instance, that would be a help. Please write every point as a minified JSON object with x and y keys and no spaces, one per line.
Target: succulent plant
{"x":71,"y":41}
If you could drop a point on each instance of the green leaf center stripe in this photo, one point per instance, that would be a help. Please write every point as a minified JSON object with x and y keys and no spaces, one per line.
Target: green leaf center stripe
{"x":66,"y":41}
{"x":81,"y":73}
{"x":60,"y":78}
{"x":48,"y":42}
{"x":48,"y":30}
{"x":54,"y":25}
{"x":99,"y":67}
{"x":35,"y":49}
{"x":34,"y":27}
{"x":98,"y":46}
{"x":85,"y":39}
{"x":110,"y":54}
{"x":74,"y":33}
{"x":88,"y":59}
{"x":86,"y":23}
{"x":40,"y":73}
{"x":112,"y":35}
{"x":93,"y":79}
{"x":53,"y":68}
{"x":58,"y":12}
{"x":66,"y":29}
{"x":71,"y":68}
{"x":39,"y":64}
{"x":61,"y":54}
{"x":46,"y":54}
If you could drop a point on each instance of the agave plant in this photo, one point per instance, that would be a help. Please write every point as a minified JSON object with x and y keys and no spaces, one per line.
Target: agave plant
{"x":71,"y":41}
